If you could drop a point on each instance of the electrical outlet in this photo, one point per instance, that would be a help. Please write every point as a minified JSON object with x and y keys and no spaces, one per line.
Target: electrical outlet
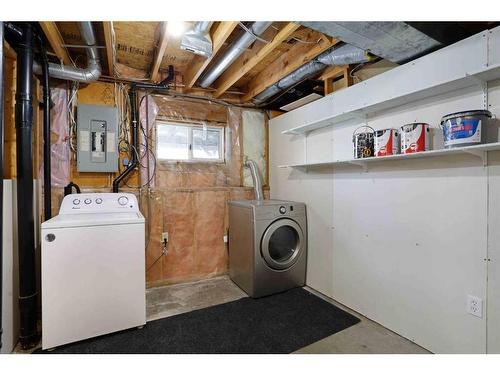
{"x":475,"y":306}
{"x":164,"y":237}
{"x":225,"y":238}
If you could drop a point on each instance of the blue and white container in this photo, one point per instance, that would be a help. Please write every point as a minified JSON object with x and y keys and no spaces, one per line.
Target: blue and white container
{"x":465,"y":128}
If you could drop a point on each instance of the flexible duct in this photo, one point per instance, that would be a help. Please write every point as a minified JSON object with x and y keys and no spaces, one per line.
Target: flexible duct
{"x":257,"y":182}
{"x":343,"y":55}
{"x":233,"y":52}
{"x":24,"y":167}
{"x":89,"y":74}
{"x":197,"y":40}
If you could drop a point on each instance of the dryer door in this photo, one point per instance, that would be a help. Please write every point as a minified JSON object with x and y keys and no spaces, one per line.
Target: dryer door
{"x":282,"y":243}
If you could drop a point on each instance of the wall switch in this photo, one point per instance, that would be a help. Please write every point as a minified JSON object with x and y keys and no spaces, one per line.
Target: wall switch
{"x":164,"y":237}
{"x":225,"y":238}
{"x":475,"y":306}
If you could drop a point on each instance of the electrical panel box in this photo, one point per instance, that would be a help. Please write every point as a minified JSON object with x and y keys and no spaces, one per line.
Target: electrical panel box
{"x":97,"y":138}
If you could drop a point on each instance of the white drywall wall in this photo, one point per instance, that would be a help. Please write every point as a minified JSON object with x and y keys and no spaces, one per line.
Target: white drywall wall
{"x":10,"y":310}
{"x":405,"y":242}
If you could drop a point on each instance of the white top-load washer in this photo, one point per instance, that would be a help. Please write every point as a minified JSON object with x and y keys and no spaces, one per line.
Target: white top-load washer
{"x":93,"y":268}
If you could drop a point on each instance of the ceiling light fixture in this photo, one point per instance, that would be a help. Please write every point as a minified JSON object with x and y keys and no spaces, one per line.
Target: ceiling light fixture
{"x":176,"y":28}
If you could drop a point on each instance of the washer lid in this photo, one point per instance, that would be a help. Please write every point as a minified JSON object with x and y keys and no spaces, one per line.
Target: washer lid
{"x":93,"y":219}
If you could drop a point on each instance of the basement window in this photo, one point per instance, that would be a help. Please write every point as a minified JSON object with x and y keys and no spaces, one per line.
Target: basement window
{"x":189,"y":142}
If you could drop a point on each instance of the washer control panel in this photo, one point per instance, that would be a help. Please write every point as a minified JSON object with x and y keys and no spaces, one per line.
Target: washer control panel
{"x":99,"y":202}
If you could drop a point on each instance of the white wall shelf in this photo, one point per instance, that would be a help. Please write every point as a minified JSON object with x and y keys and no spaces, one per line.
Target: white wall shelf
{"x":480,"y":151}
{"x":481,"y":77}
{"x":428,"y":76}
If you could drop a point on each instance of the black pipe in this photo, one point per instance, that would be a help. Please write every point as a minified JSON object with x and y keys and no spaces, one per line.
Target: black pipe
{"x":24,"y":163}
{"x":1,"y":182}
{"x":163,"y":85}
{"x":135,"y":141}
{"x":47,"y":188}
{"x":68,"y":189}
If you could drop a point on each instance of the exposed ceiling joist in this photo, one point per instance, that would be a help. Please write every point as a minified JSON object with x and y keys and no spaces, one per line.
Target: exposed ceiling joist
{"x":160,"y":51}
{"x":297,"y":56}
{"x":245,"y":63}
{"x":108,"y":39}
{"x":333,"y":72}
{"x":56,"y":41}
{"x":199,"y":64}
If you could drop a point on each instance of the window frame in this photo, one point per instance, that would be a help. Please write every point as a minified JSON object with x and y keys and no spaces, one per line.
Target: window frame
{"x":191,"y":126}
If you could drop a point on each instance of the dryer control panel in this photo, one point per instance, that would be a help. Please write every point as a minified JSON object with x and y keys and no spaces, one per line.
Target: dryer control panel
{"x":99,"y":202}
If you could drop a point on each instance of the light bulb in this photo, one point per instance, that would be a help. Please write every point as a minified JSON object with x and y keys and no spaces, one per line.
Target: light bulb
{"x":176,"y":28}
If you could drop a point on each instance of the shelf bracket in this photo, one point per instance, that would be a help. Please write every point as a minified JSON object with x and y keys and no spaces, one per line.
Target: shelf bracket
{"x":481,"y":154}
{"x":483,"y":85}
{"x":360,"y":164}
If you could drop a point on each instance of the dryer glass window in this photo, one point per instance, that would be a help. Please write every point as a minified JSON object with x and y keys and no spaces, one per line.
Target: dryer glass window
{"x":283,"y":243}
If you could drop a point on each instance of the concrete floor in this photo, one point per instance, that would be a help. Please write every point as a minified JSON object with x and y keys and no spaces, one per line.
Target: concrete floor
{"x":165,"y":301}
{"x":366,"y":337}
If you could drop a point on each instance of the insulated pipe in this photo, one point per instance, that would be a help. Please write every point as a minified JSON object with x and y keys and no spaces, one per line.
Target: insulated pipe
{"x":233,"y":52}
{"x":47,"y":183}
{"x":89,"y":74}
{"x":165,"y":84}
{"x":343,"y":55}
{"x":1,"y":181}
{"x":24,"y":164}
{"x":257,"y":182}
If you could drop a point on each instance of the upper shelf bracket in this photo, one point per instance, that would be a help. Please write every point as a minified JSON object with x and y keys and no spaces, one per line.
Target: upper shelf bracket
{"x":483,"y":85}
{"x":360,"y":163}
{"x":481,"y":154}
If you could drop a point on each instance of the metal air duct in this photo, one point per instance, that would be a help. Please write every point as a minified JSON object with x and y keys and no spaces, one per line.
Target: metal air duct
{"x":89,"y":74}
{"x":395,"y":41}
{"x":343,"y":55}
{"x":257,"y":182}
{"x":233,"y":52}
{"x":197,"y":40}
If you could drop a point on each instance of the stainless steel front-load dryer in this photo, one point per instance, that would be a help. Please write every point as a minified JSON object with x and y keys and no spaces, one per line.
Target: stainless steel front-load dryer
{"x":267,"y":245}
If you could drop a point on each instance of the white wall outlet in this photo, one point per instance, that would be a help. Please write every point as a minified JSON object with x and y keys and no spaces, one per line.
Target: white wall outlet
{"x":164,"y":237}
{"x":475,"y":306}
{"x":225,"y":238}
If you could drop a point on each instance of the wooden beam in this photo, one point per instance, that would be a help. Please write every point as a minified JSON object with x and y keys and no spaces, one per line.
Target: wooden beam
{"x":8,"y":50}
{"x":331,"y":75}
{"x":108,"y":39}
{"x":297,"y":56}
{"x":333,"y":72}
{"x":160,"y":51}
{"x":244,"y":64}
{"x":56,"y":41}
{"x":199,"y":64}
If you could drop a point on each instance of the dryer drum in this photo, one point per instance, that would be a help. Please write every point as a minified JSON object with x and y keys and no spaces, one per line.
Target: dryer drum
{"x":465,"y":128}
{"x":282,"y":244}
